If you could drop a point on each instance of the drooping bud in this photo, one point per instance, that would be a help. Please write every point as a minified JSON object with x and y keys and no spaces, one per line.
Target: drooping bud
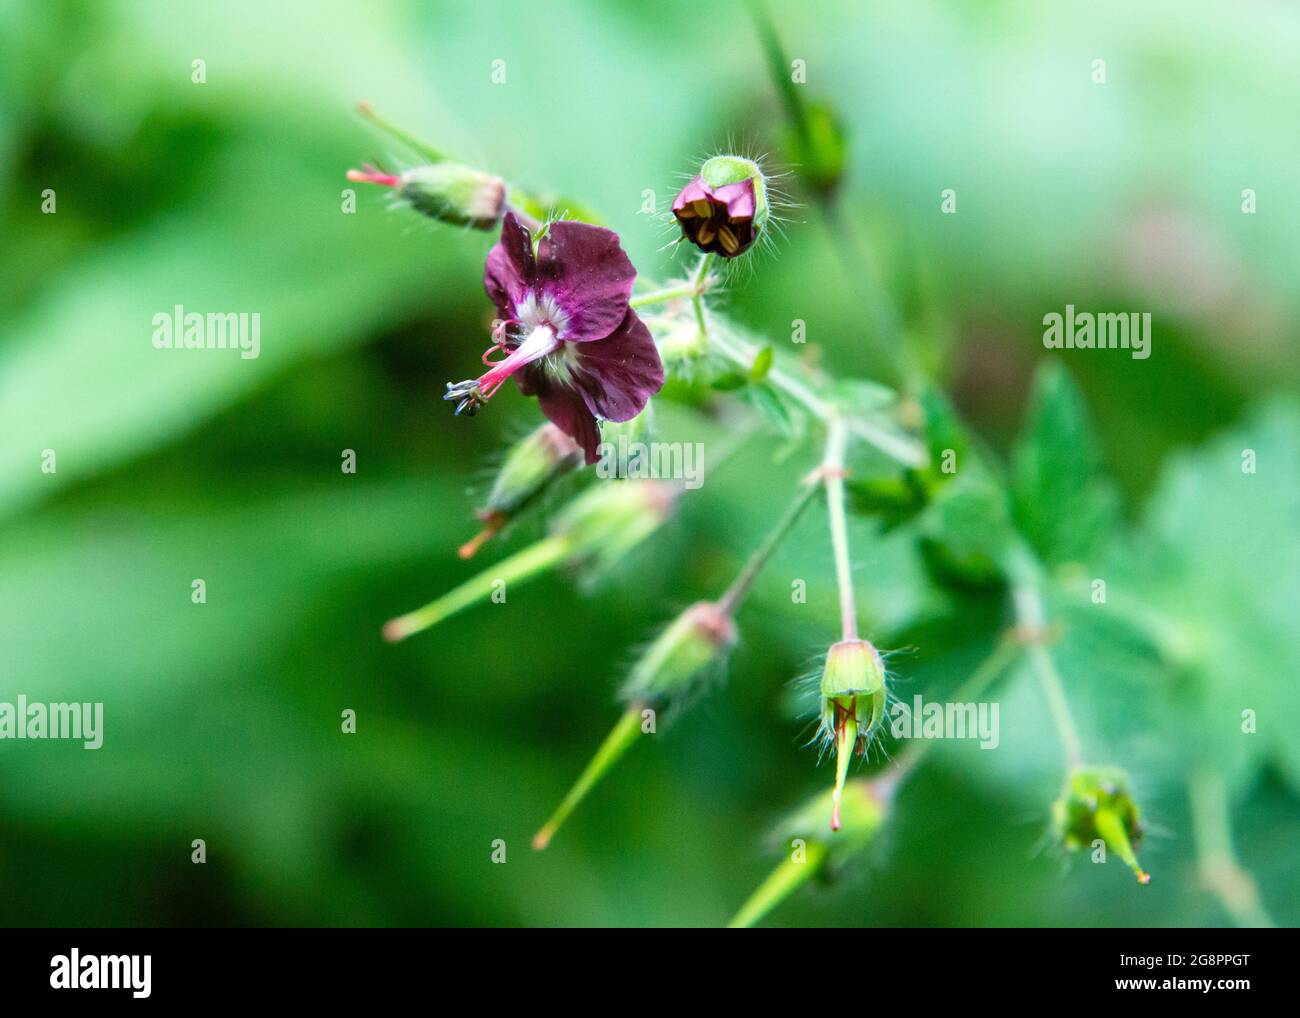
{"x":810,"y":849}
{"x":1097,"y":805}
{"x":669,"y":670}
{"x":852,"y":706}
{"x":448,"y":192}
{"x":724,"y":208}
{"x":595,"y":530}
{"x":530,"y":467}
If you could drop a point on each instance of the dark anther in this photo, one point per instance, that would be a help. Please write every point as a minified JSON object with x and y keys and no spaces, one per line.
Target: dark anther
{"x":467,"y":396}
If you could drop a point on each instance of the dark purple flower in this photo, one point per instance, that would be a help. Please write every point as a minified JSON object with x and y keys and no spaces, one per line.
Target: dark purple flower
{"x":566,"y":330}
{"x":720,"y":220}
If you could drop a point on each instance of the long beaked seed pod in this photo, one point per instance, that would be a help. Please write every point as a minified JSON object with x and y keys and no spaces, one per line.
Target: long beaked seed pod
{"x":670,"y":669}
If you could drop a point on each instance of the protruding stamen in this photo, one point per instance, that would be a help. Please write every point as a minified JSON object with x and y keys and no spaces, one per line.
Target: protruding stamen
{"x":467,"y":395}
{"x":540,"y":342}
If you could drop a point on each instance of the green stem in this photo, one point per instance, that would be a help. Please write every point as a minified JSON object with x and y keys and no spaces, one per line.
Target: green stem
{"x":783,"y":881}
{"x":615,"y":745}
{"x":417,"y":145}
{"x":523,"y":565}
{"x":740,"y":587}
{"x":1032,"y":620}
{"x":832,"y":472}
{"x":698,"y":281}
{"x":690,"y":289}
{"x":1220,"y":869}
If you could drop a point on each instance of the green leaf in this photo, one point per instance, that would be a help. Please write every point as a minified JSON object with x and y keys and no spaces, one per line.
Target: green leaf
{"x":1214,"y":577}
{"x":1060,"y":504}
{"x":762,"y":365}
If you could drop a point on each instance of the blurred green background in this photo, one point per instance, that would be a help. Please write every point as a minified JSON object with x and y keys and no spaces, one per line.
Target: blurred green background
{"x":222,"y":720}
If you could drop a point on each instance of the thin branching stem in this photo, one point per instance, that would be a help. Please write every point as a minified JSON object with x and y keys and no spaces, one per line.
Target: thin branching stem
{"x":1031,"y":619}
{"x":740,"y":587}
{"x":1220,"y":869}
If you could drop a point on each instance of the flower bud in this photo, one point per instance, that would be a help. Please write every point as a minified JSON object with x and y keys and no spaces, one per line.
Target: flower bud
{"x":448,"y":192}
{"x":723,"y":210}
{"x":852,"y":706}
{"x":530,"y":467}
{"x":674,"y":664}
{"x":1097,"y":805}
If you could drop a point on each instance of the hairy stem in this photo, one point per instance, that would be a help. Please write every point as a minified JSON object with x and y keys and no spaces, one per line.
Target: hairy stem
{"x":523,"y":565}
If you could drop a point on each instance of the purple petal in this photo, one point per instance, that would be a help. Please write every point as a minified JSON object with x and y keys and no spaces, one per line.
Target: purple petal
{"x":566,"y":410}
{"x":738,"y":197}
{"x":618,"y":374}
{"x":511,"y":271}
{"x":693,"y":191}
{"x":585,"y":271}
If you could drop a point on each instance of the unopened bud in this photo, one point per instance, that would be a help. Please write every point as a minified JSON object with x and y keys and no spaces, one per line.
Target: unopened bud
{"x":448,"y":192}
{"x":725,"y":207}
{"x":852,"y":706}
{"x":530,"y":467}
{"x":1098,"y":805}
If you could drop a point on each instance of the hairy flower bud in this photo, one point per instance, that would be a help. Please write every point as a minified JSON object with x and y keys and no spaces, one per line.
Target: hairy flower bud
{"x":1097,"y":805}
{"x":723,"y":210}
{"x":530,"y":467}
{"x":852,"y":705}
{"x":448,"y":192}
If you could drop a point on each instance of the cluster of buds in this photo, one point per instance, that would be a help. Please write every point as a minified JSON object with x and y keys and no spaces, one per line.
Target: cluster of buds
{"x":1097,"y":805}
{"x":853,"y":698}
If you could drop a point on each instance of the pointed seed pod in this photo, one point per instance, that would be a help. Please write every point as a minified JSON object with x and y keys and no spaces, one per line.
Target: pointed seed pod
{"x":1097,"y":804}
{"x":852,"y":706}
{"x":530,"y":467}
{"x":448,"y":192}
{"x":670,"y":669}
{"x":811,"y":849}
